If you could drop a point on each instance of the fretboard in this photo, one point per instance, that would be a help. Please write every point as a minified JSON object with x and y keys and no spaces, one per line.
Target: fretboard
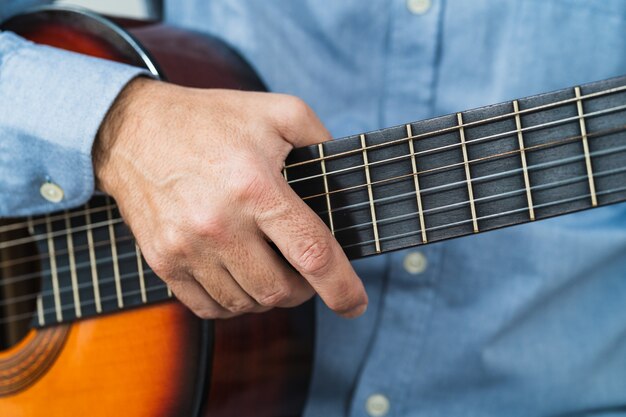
{"x":465,"y":173}
{"x":469,"y":172}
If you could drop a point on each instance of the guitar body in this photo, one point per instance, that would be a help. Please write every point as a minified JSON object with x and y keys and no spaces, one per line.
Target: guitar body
{"x":147,"y":360}
{"x":159,"y":359}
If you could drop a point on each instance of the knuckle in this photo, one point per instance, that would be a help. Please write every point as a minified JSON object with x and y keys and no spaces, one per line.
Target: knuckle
{"x":172,"y":243}
{"x":315,"y":259}
{"x":275,"y":298}
{"x":240,"y":306}
{"x":211,"y":225}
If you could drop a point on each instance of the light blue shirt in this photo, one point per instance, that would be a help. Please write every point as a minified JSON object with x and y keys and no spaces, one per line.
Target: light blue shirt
{"x":525,"y":321}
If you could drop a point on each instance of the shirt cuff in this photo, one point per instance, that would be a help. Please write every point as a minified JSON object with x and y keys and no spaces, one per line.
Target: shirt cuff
{"x":52,"y":103}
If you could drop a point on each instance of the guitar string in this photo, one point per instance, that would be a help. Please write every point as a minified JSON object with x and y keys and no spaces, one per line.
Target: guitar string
{"x":466,"y":125}
{"x":23,"y":316}
{"x":108,"y":280}
{"x":15,"y":226}
{"x":558,"y":162}
{"x":25,"y":240}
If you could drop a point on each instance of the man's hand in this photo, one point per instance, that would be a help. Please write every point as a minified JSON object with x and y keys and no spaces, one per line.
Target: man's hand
{"x":197,"y":176}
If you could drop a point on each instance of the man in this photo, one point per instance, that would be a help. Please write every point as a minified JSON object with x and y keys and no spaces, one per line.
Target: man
{"x":523,"y":321}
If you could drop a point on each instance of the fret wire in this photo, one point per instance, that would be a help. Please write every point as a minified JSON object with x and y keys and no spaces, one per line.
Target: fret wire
{"x":30,"y":223}
{"x":471,"y":124}
{"x":470,"y":189}
{"x":74,"y":278}
{"x":53,"y":271}
{"x":169,"y":291}
{"x":320,"y":148}
{"x":116,"y":266}
{"x":92,"y":262}
{"x":40,"y":316}
{"x":370,"y":194}
{"x":285,"y":173}
{"x":142,"y":283}
{"x":583,"y":132}
{"x":418,"y":196}
{"x":522,"y":148}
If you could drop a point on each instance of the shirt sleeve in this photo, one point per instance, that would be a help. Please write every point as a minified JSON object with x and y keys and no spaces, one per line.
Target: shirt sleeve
{"x":51,"y":105}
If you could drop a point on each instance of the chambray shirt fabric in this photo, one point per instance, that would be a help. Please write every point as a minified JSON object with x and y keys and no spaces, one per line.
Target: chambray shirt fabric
{"x":525,"y":321}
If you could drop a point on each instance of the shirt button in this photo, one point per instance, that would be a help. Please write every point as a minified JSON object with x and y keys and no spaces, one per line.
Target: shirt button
{"x":51,"y":192}
{"x":377,"y":405}
{"x":419,"y":6}
{"x":415,"y":263}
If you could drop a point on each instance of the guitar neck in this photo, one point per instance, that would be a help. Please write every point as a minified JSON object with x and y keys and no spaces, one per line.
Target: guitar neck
{"x":408,"y":185}
{"x":469,"y":172}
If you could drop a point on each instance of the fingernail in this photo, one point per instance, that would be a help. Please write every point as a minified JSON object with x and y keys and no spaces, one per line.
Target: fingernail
{"x":355,"y":312}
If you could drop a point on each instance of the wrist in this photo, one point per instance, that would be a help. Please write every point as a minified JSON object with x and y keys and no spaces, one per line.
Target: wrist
{"x":117,"y":129}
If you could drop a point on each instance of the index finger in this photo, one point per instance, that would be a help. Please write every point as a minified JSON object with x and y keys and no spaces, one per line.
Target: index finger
{"x":310,"y":248}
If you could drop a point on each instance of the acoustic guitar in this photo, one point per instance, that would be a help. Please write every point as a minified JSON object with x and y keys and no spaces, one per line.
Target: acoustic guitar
{"x":86,"y":328}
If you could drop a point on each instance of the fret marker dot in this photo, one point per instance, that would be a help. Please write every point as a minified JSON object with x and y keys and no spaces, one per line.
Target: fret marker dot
{"x":51,"y":192}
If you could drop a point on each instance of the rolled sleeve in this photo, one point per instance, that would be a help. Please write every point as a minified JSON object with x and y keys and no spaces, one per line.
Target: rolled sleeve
{"x":52,"y":103}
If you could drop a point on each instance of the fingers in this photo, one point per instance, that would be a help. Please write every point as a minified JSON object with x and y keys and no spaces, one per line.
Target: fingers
{"x":307,"y":244}
{"x":266,"y":277}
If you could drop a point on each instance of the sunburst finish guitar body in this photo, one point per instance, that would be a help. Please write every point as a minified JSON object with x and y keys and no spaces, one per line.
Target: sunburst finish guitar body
{"x":86,"y":328}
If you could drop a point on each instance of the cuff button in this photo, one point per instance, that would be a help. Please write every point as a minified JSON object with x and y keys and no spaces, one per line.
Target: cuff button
{"x":51,"y":192}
